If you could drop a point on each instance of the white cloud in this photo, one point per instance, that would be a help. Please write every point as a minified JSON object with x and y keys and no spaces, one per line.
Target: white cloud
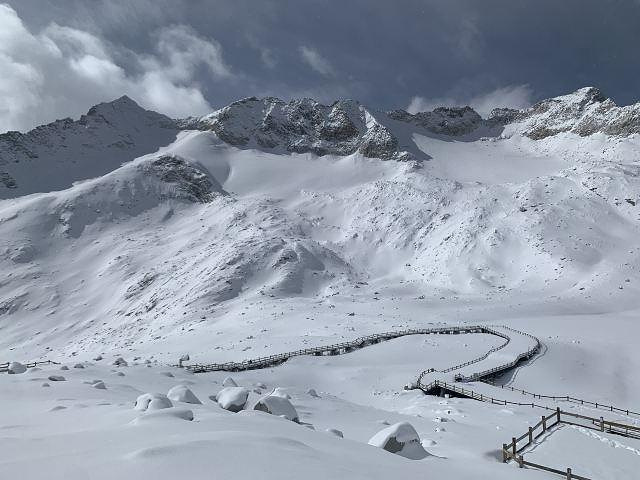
{"x":513,"y":96}
{"x":61,"y":71}
{"x":316,"y":61}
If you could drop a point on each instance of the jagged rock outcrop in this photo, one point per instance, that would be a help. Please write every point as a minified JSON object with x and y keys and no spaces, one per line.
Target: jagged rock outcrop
{"x":443,"y":120}
{"x":584,"y":112}
{"x":189,"y":183}
{"x":302,"y":126}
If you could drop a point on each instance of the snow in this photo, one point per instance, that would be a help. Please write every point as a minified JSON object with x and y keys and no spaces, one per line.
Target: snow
{"x":152,"y":401}
{"x":181,"y":393}
{"x":232,"y":398}
{"x":178,"y":242}
{"x":401,"y":439}
{"x":229,"y":382}
{"x":16,"y":368}
{"x":277,"y":405}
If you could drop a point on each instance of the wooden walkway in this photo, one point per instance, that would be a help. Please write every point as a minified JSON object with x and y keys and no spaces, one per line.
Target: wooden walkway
{"x":362,"y":342}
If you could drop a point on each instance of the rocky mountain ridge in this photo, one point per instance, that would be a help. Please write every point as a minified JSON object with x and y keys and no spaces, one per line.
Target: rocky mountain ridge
{"x":53,"y":156}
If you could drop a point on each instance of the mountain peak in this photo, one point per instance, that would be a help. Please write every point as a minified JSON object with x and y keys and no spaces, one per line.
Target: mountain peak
{"x":120,"y":104}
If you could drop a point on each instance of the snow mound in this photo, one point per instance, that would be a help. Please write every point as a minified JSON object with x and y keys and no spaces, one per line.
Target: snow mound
{"x":181,"y":393}
{"x":229,"y":382}
{"x":16,"y":367}
{"x":167,"y":413}
{"x":336,"y":432}
{"x":232,"y":398}
{"x":56,"y":378}
{"x":401,"y":439}
{"x":152,"y":401}
{"x":279,"y":406}
{"x":279,"y":392}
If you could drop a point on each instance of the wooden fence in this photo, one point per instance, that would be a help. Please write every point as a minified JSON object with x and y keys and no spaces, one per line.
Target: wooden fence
{"x":4,"y":367}
{"x":568,"y":398}
{"x":344,"y":347}
{"x":512,"y":451}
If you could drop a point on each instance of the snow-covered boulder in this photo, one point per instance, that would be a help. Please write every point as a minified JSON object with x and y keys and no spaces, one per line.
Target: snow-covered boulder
{"x":312,"y":393}
{"x":336,"y":432}
{"x":78,"y":365}
{"x":232,"y":398}
{"x":152,"y":401}
{"x":229,"y":382}
{"x":181,"y":393}
{"x":120,"y":362}
{"x":64,"y":367}
{"x":279,"y":392}
{"x":16,"y":367}
{"x":57,"y":378}
{"x":401,"y":439}
{"x":99,"y":385}
{"x":279,"y":406}
{"x":164,"y":415}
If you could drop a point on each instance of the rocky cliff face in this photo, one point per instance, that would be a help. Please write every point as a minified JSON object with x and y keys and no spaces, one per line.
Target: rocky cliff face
{"x":583,"y":112}
{"x":302,"y":126}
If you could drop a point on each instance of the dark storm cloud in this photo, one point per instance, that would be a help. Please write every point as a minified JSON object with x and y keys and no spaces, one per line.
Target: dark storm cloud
{"x":386,"y":54}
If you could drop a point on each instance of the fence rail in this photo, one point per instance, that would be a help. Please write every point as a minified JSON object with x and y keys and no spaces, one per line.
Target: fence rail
{"x":4,"y":367}
{"x":567,"y":398}
{"x":345,"y":347}
{"x":512,"y":451}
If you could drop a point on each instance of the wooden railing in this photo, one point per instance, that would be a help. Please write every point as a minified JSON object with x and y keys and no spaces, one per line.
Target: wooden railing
{"x":568,"y":398}
{"x":512,"y":451}
{"x":492,"y":371}
{"x":340,"y":348}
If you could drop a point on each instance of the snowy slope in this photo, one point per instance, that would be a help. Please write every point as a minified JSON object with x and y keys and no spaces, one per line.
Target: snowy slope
{"x":123,"y":256}
{"x":269,"y":225}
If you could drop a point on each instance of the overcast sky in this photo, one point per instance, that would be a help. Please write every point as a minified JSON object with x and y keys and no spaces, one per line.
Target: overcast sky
{"x":187,"y":57}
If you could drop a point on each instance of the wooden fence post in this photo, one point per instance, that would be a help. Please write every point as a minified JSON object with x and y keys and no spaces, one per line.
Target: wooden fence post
{"x":530,"y":435}
{"x":520,"y":461}
{"x":558,"y":413}
{"x":513,"y":444}
{"x":504,"y":453}
{"x":601,"y":424}
{"x":569,"y":477}
{"x":544,"y":423}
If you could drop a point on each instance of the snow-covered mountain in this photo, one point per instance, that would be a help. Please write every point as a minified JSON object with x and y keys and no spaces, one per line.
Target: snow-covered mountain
{"x":128,"y":239}
{"x":126,"y":226}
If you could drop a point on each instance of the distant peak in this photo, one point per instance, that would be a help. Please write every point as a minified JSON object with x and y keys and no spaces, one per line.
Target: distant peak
{"x":582,"y":96}
{"x":119,"y":104}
